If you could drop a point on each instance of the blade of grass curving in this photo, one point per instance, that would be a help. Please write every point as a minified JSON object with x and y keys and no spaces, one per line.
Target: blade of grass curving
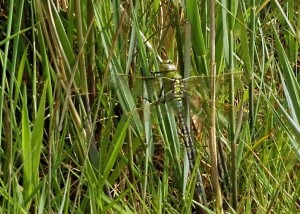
{"x":292,"y":44}
{"x":117,"y":143}
{"x":18,"y":80}
{"x":186,"y":101}
{"x":198,"y":40}
{"x":45,"y":62}
{"x":90,"y":46}
{"x":42,"y":199}
{"x":293,"y":127}
{"x":31,"y":144}
{"x":284,"y":16}
{"x":166,"y":174}
{"x":62,"y":37}
{"x":292,"y":84}
{"x":118,"y":203}
{"x":8,"y":38}
{"x":71,"y":23}
{"x":242,"y":26}
{"x":35,"y":63}
{"x":52,"y":131}
{"x":30,"y":200}
{"x":166,"y":119}
{"x":37,"y":136}
{"x":26,"y":148}
{"x":80,"y":39}
{"x":55,"y":36}
{"x":178,"y":35}
{"x":74,"y":81}
{"x":5,"y":62}
{"x":252,"y":47}
{"x":17,"y":25}
{"x":64,"y":202}
{"x":85,"y":73}
{"x":146,"y":111}
{"x":123,"y":92}
{"x":231,"y":66}
{"x":123,"y":163}
{"x":114,"y":206}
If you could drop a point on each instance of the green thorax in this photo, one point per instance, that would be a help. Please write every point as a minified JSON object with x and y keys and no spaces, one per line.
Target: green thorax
{"x":173,"y":88}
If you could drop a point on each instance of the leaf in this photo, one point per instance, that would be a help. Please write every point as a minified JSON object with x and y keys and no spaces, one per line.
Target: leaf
{"x":37,"y":135}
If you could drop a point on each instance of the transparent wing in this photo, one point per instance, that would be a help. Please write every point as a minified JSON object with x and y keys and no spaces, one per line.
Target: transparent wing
{"x":202,"y":83}
{"x":198,"y":96}
{"x":155,"y":91}
{"x":158,"y":90}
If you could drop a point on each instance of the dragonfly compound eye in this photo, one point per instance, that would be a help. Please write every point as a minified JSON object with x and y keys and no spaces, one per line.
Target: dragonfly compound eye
{"x":167,"y":66}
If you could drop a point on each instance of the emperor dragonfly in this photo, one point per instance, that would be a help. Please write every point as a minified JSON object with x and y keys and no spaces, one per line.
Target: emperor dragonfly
{"x":171,"y":88}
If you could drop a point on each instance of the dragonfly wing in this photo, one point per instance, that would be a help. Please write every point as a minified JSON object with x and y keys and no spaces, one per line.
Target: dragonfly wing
{"x":197,"y":90}
{"x":150,"y":91}
{"x":202,"y":83}
{"x":156,"y":87}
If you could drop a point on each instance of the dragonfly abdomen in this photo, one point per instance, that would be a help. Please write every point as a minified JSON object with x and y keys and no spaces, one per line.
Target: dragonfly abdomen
{"x":189,"y":145}
{"x":188,"y":141}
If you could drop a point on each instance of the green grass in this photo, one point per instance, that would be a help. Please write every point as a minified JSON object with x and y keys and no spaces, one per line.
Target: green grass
{"x":72,"y":140}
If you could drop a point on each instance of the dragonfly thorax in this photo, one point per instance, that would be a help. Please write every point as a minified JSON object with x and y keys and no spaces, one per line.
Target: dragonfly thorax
{"x":172,"y":83}
{"x":177,"y":93}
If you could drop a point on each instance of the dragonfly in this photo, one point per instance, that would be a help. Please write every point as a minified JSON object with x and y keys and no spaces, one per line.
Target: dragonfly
{"x":174,"y":84}
{"x":171,"y":88}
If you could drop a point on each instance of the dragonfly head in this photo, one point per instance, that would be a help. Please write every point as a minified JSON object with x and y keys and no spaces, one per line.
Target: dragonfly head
{"x":167,"y":66}
{"x":169,"y":69}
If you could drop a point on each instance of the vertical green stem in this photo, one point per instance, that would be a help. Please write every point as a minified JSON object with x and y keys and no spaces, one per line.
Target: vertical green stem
{"x":213,"y":144}
{"x":232,"y":122}
{"x":81,"y":58}
{"x":231,"y":21}
{"x":5,"y":60}
{"x":251,"y":92}
{"x":178,"y":37}
{"x":90,"y":64}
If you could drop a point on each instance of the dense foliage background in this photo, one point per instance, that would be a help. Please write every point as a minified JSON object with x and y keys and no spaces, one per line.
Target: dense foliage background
{"x":73,"y":141}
